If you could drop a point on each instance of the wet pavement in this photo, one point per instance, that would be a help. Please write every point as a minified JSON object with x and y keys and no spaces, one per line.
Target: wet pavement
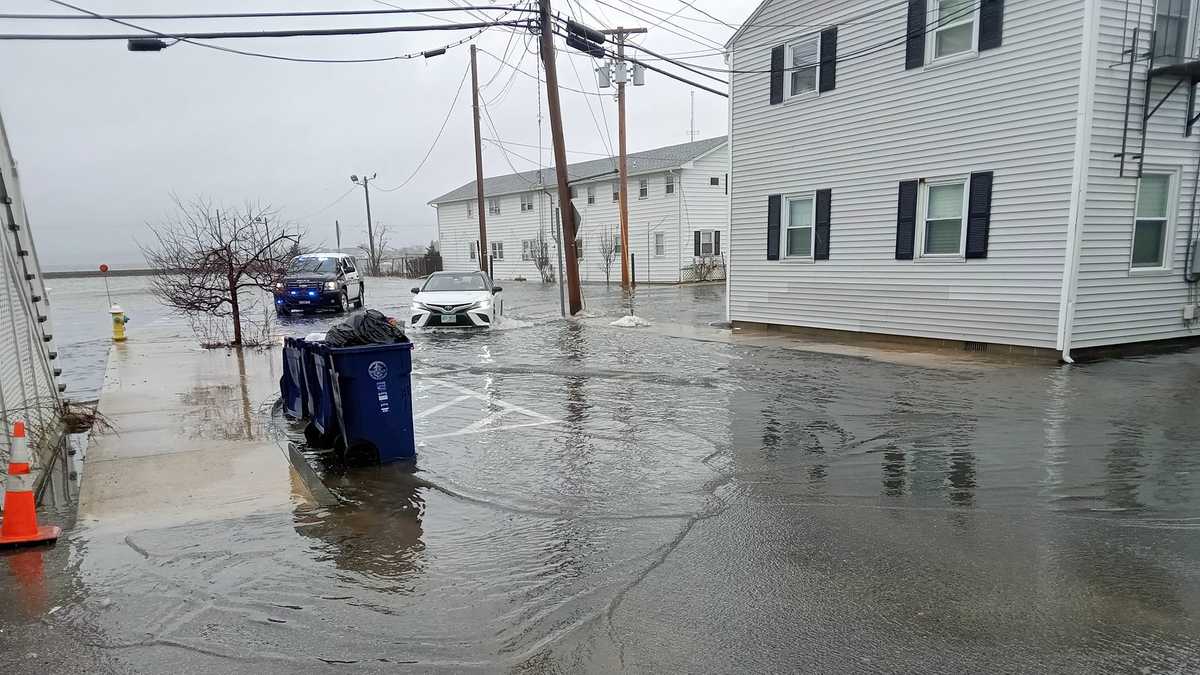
{"x":592,"y":498}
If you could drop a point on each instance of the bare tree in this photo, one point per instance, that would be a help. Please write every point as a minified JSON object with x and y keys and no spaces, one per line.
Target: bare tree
{"x":708,"y":268}
{"x":374,"y":262}
{"x":541,"y":256}
{"x":206,"y":258}
{"x":609,"y":245}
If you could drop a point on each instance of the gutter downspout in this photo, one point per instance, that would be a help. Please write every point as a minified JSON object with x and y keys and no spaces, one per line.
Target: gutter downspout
{"x":1079,"y":177}
{"x":729,"y":186}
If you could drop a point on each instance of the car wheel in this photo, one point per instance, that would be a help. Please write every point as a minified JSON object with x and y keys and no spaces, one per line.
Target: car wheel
{"x":362,"y":297}
{"x":344,"y":302}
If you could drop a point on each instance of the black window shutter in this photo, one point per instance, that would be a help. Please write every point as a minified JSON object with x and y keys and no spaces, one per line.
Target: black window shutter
{"x":821,"y":250}
{"x":914,"y":41}
{"x":828,"y":69}
{"x":979,"y":214}
{"x":906,"y":220}
{"x":777,"y":75}
{"x":716,"y":242}
{"x":696,"y":241}
{"x":991,"y":24}
{"x":774,"y":210}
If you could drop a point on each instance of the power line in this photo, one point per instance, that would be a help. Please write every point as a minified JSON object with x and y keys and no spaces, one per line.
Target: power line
{"x":647,"y":15}
{"x":330,"y":205}
{"x":721,"y":21}
{"x":438,"y":137}
{"x":276,"y":57}
{"x":656,"y":69}
{"x":266,"y":15}
{"x":526,"y":74}
{"x":305,"y":32}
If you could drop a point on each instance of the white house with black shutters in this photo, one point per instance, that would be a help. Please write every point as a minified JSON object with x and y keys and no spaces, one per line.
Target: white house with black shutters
{"x":974,"y":171}
{"x":678,"y":216}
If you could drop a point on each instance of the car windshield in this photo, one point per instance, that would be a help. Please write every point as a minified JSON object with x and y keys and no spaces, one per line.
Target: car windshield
{"x":455,"y":282}
{"x":321,"y":265}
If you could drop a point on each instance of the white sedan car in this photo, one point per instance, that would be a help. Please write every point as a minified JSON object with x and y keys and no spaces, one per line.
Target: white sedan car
{"x":463,"y":299}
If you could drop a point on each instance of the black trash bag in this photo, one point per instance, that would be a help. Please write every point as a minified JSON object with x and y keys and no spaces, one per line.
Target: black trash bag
{"x":368,"y":328}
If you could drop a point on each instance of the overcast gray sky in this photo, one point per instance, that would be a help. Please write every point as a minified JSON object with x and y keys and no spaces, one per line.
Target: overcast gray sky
{"x":103,"y":136}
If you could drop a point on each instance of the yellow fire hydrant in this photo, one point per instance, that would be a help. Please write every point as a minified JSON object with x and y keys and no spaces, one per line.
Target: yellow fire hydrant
{"x":118,"y":323}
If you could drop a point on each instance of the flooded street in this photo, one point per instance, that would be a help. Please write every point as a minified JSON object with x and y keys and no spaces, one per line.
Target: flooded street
{"x":593,"y":498}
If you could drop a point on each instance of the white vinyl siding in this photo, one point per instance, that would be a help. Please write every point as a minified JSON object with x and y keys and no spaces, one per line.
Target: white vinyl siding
{"x":1115,"y":302}
{"x":1011,"y":111}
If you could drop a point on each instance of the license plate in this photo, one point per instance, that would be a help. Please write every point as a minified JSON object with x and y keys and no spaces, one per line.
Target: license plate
{"x":306,"y":302}
{"x":449,"y":318}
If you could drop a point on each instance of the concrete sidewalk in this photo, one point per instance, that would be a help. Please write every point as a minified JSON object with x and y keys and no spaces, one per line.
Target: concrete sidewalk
{"x":191,"y":440}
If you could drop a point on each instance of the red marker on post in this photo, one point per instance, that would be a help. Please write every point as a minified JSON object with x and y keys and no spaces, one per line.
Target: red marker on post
{"x":104,"y":271}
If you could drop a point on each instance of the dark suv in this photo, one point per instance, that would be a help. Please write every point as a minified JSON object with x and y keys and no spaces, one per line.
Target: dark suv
{"x":319,"y":281}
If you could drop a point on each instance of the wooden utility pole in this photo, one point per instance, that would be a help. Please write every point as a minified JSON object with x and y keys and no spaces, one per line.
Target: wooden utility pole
{"x":567,"y":212}
{"x":622,"y":170}
{"x":483,"y":246}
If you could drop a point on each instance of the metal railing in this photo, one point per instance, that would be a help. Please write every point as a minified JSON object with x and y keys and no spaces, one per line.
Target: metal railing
{"x":29,"y":387}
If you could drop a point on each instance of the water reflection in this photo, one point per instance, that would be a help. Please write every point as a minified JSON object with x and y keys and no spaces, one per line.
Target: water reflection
{"x":378,"y":533}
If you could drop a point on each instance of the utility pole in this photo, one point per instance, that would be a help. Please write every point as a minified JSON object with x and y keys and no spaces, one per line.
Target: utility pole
{"x":337,"y":233}
{"x":567,"y":211}
{"x":622,"y":170}
{"x":483,"y":245}
{"x":365,"y":182}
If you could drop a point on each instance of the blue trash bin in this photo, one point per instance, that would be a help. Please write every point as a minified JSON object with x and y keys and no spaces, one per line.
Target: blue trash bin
{"x":373,"y":395}
{"x":322,"y":429}
{"x":292,"y":387}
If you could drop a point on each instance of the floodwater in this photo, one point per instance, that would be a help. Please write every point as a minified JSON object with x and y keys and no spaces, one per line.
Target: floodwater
{"x":591,"y":498}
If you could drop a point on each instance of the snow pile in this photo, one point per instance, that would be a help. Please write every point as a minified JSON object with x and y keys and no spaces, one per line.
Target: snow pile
{"x":631,"y":321}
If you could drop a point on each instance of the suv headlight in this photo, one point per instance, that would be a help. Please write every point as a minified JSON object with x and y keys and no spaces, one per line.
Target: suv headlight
{"x":279,"y":285}
{"x":331,"y":285}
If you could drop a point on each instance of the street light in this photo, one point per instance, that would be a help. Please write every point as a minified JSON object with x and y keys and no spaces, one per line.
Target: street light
{"x":365,"y":182}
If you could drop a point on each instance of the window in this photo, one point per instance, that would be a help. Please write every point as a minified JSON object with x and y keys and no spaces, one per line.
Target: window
{"x":350,"y":266}
{"x":494,"y":206}
{"x":616,"y":192}
{"x":943,"y":217}
{"x":498,"y":250}
{"x":643,"y":188}
{"x":1171,"y":30}
{"x":527,"y":246}
{"x":1150,"y":227}
{"x":660,"y":244}
{"x":803,"y":57}
{"x":798,"y":218}
{"x":579,"y":248}
{"x":670,"y":186}
{"x":715,"y":181}
{"x":472,"y":247}
{"x":706,"y":242}
{"x":470,"y":210}
{"x":954,"y":27}
{"x":591,"y":194}
{"x":526,"y":202}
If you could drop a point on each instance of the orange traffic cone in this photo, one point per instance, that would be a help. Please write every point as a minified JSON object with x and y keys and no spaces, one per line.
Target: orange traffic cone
{"x":20,"y":525}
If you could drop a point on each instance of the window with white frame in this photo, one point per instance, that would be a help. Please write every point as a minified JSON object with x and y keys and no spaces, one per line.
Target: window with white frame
{"x":670,"y":184}
{"x":579,"y":248}
{"x":493,"y":206}
{"x":470,"y":210}
{"x":643,"y":188}
{"x":953,"y":27}
{"x":799,"y":214}
{"x":472,"y":247}
{"x":1171,"y":21}
{"x":527,"y":247}
{"x":616,"y":192}
{"x":660,"y":244}
{"x":591,"y":194}
{"x":497,"y":250}
{"x":804,"y":55}
{"x":943,"y":217}
{"x":526,"y":202}
{"x":706,"y":242}
{"x":1152,"y":222}
{"x":617,"y":243}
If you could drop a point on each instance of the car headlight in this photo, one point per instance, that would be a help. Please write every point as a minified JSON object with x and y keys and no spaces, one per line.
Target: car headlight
{"x":331,"y":285}
{"x":417,"y":307}
{"x":279,"y":285}
{"x":483,"y":304}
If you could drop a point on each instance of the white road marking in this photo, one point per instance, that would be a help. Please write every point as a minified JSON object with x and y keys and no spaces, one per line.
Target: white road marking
{"x":441,"y":406}
{"x":482,"y":425}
